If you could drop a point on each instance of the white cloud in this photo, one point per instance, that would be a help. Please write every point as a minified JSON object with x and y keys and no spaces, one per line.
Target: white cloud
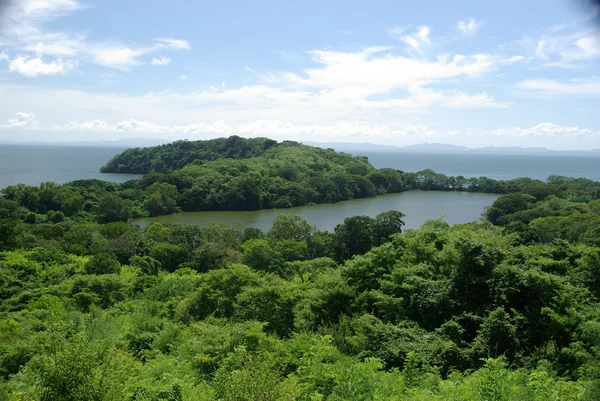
{"x":95,"y":125}
{"x":176,"y":44}
{"x":24,"y":35}
{"x":21,"y":120}
{"x":348,"y":130}
{"x":123,"y":58}
{"x":464,"y":100}
{"x":120,"y":58}
{"x":469,"y":27}
{"x":589,"y":45}
{"x":540,"y":50}
{"x":417,"y":40}
{"x":547,"y":130}
{"x":343,"y":130}
{"x":22,"y":20}
{"x":347,"y":79}
{"x":56,"y":47}
{"x":161,"y":61}
{"x":589,"y":87}
{"x":372,"y":86}
{"x":43,"y":9}
{"x":33,"y":67}
{"x":560,"y":49}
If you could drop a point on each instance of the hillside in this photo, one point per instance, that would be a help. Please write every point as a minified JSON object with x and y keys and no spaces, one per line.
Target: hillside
{"x":250,"y":174}
{"x":175,"y":155}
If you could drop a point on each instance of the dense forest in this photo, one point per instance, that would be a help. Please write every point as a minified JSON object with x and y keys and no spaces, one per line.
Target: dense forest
{"x":94,"y":308}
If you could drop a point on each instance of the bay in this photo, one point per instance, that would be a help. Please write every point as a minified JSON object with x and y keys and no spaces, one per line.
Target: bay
{"x":497,"y":166}
{"x":418,"y":206}
{"x":32,"y":165}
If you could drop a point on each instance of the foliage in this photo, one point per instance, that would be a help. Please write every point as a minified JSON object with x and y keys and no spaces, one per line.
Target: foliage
{"x":92,"y":308}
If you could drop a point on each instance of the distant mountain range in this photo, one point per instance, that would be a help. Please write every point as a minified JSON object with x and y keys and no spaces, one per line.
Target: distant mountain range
{"x":445,"y":148}
{"x":339,"y":146}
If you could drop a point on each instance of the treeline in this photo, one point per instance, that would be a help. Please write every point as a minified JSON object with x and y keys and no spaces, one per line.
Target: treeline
{"x":506,"y":309}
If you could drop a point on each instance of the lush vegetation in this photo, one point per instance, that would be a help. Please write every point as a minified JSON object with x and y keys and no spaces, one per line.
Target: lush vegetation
{"x":92,"y":308}
{"x":176,"y":155}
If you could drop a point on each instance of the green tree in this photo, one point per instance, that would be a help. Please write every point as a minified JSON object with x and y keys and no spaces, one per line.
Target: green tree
{"x":162,"y":199}
{"x":259,"y":255}
{"x":387,"y":224}
{"x":112,"y":208}
{"x":508,"y":204}
{"x":146,"y":264}
{"x":290,"y":227}
{"x":354,"y":237}
{"x":497,"y":336}
{"x":103,"y":264}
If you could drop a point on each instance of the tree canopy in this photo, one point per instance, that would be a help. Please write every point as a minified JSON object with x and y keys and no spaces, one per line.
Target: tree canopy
{"x":93,"y":308}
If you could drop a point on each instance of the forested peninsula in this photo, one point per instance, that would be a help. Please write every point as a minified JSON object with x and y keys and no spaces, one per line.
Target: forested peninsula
{"x":95,"y":309}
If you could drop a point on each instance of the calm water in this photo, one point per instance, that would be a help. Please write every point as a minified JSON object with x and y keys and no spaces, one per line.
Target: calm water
{"x":33,"y":165}
{"x":459,"y":207}
{"x":497,"y":166}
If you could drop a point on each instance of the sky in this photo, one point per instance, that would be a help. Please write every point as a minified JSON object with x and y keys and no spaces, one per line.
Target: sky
{"x":472,"y":73}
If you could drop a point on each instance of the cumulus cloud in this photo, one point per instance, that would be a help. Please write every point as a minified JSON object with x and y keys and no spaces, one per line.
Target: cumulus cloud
{"x":21,"y":120}
{"x":469,"y":27}
{"x":161,"y":61}
{"x":33,"y":67}
{"x":95,"y":125}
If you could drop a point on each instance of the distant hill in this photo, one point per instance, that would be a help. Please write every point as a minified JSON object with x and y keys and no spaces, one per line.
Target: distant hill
{"x":349,"y":146}
{"x":338,"y":146}
{"x":446,"y":148}
{"x":434,"y":147}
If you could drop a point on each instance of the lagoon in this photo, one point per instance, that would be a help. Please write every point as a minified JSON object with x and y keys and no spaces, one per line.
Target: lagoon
{"x":418,"y":206}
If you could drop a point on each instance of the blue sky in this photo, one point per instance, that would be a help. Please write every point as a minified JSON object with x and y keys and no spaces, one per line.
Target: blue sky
{"x":474,"y":73}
